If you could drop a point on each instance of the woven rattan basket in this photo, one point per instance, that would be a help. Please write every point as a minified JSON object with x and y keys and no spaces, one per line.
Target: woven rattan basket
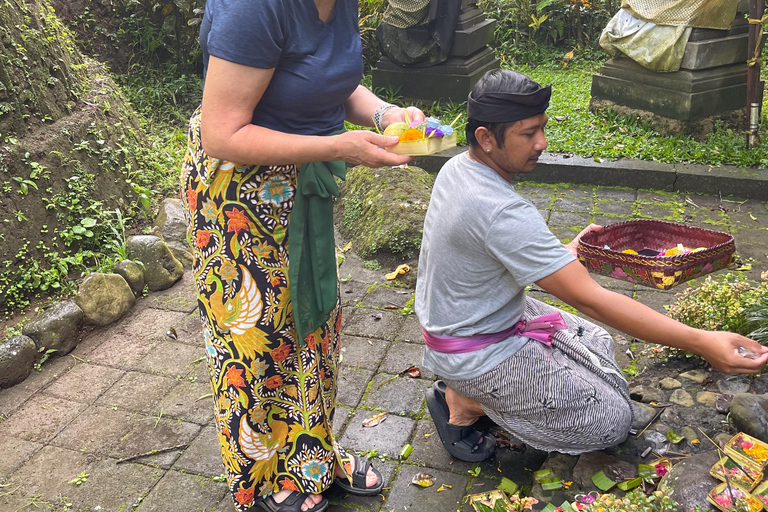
{"x":659,"y":235}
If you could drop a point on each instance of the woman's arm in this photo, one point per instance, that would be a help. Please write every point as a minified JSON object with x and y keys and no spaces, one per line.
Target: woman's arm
{"x":573,"y":285}
{"x":362,"y":105}
{"x":232,"y":92}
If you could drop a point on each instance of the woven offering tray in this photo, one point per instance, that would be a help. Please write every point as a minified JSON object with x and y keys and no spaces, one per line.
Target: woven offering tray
{"x":733,"y":499}
{"x":746,"y":449}
{"x":601,"y":252}
{"x":744,"y":474}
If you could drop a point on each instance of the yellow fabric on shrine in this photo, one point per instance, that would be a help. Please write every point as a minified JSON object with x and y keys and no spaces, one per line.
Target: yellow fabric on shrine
{"x":716,"y":14}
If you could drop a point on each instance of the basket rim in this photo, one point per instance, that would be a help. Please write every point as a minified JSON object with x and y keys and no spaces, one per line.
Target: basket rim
{"x":615,"y":225}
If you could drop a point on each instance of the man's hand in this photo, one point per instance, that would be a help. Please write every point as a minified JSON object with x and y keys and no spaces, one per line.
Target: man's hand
{"x":721,"y":350}
{"x":574,"y":244}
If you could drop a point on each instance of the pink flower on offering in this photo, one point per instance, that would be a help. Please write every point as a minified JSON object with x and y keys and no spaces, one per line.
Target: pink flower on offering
{"x":661,"y":469}
{"x":723,"y":500}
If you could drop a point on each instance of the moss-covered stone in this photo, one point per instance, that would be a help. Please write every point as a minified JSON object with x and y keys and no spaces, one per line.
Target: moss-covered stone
{"x":381,"y":211}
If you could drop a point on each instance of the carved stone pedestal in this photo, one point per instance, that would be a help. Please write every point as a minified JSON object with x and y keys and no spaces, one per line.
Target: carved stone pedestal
{"x":469,"y":59}
{"x":711,"y":83}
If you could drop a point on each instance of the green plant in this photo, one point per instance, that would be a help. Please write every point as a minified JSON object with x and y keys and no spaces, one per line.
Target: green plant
{"x":80,"y":479}
{"x":757,"y":316}
{"x":371,"y":265}
{"x":634,"y":501}
{"x":719,"y":303}
{"x":46,"y":355}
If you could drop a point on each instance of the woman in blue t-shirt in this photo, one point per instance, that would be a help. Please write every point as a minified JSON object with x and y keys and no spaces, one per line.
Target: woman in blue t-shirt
{"x":281,"y":76}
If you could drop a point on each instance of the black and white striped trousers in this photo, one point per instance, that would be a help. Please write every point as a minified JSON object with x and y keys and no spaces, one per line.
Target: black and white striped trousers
{"x":569,"y":398}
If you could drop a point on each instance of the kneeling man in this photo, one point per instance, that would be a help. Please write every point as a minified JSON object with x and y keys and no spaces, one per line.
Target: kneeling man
{"x":546,"y":376}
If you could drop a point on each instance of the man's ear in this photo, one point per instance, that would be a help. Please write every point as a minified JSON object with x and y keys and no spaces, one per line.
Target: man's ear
{"x":484,"y":137}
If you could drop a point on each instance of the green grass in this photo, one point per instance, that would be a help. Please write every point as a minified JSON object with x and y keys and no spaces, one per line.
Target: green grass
{"x":573,"y":129}
{"x":605,"y":135}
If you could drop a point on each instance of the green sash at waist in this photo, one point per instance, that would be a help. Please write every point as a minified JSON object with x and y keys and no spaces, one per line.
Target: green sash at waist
{"x":312,"y":272}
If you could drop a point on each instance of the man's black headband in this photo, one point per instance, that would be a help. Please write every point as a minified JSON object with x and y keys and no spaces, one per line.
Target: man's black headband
{"x":506,"y":107}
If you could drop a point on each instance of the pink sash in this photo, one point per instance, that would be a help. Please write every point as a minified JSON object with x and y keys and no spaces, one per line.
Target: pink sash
{"x":541,"y":329}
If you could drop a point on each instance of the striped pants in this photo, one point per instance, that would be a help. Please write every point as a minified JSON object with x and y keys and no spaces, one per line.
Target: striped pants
{"x":569,"y":398}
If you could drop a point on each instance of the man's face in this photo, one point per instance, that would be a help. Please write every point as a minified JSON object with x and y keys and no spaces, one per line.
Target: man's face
{"x":523,"y":144}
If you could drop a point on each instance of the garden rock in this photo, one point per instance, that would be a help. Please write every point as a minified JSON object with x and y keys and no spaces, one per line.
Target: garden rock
{"x":17,"y":358}
{"x":57,"y":327}
{"x":681,"y":397}
{"x":562,"y":466}
{"x":161,"y":268}
{"x":707,"y":398}
{"x":592,"y":462}
{"x":696,"y":376}
{"x":689,"y":481}
{"x":132,"y":273}
{"x":646,"y":394}
{"x":733,"y":385}
{"x":172,"y":226}
{"x":104,"y":298}
{"x":669,"y":383}
{"x":749,"y":414}
{"x":642,"y":414}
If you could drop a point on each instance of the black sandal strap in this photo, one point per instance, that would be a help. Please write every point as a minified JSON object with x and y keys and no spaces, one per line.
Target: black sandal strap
{"x":292,"y":503}
{"x":360,"y":474}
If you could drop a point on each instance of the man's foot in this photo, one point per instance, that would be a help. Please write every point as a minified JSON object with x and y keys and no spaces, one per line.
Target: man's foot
{"x":291,"y":501}
{"x":464,"y":411}
{"x":459,"y":438}
{"x":366,"y":481}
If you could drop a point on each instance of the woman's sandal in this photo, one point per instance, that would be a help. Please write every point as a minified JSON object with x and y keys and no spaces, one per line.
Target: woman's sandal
{"x":464,"y":443}
{"x":359,"y":476}
{"x":292,"y":503}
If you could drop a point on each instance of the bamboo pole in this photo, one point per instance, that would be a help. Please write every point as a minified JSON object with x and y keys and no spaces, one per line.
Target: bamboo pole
{"x":754,"y":84}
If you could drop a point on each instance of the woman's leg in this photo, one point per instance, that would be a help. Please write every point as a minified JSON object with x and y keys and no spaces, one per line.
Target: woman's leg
{"x":569,"y":398}
{"x":272,"y":393}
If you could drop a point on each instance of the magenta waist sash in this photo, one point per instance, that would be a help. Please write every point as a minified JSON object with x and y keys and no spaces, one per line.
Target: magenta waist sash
{"x":541,"y":329}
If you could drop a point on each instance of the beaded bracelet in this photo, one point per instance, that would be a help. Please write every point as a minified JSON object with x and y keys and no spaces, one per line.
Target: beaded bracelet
{"x":379,"y":114}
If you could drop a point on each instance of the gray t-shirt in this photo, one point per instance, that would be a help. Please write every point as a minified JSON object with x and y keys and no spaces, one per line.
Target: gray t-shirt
{"x":482,"y":244}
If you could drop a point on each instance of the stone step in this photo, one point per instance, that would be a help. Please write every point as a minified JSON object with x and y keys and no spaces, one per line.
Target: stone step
{"x":683,"y":95}
{"x":711,"y":53}
{"x":451,"y":80}
{"x":470,"y":40}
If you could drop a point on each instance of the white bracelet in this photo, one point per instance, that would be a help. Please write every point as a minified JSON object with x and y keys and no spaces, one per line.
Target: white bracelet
{"x":379,"y":114}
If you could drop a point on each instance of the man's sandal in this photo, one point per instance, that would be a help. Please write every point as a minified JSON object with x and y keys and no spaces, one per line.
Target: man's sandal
{"x":292,"y":503}
{"x":359,"y":476}
{"x":464,"y":443}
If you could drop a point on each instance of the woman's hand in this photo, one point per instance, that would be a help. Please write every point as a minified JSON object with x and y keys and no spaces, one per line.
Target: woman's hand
{"x":366,"y":148}
{"x":721,"y":350}
{"x":400,"y":114}
{"x":574,"y":244}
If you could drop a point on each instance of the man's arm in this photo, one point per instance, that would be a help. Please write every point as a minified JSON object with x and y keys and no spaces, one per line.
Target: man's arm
{"x":573,"y":285}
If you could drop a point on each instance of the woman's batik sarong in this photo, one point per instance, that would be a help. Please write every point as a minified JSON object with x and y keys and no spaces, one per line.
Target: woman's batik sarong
{"x":273,"y":394}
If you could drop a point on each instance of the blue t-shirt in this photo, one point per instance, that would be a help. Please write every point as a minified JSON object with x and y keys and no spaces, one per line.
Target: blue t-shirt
{"x":317,"y":65}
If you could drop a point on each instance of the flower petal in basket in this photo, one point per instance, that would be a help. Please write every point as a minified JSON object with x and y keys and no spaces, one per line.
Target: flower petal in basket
{"x":601,"y":252}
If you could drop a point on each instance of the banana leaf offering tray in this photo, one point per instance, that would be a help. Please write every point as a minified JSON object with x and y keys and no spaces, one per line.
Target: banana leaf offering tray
{"x":421,"y":138}
{"x":655,"y":253}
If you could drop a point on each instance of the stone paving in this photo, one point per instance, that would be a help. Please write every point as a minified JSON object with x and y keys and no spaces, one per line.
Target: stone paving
{"x":125,"y":422}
